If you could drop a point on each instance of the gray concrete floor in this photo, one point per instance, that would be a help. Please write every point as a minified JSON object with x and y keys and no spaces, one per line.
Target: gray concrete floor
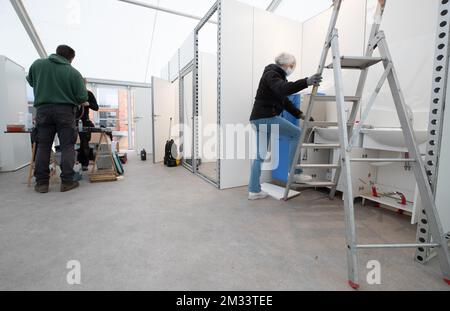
{"x":165,"y":229}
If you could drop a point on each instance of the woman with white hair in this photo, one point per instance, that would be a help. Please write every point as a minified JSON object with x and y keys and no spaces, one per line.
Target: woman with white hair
{"x":271,"y":100}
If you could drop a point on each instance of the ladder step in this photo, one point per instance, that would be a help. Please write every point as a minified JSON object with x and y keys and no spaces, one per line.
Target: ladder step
{"x":322,"y":123}
{"x":357,"y":62}
{"x":368,"y":160}
{"x":333,"y":98}
{"x":325,"y":124}
{"x":315,"y":184}
{"x":321,"y":146}
{"x":372,"y":246}
{"x":323,"y":166}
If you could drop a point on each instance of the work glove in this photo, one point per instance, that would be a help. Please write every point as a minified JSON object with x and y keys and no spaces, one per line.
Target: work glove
{"x":314,"y":80}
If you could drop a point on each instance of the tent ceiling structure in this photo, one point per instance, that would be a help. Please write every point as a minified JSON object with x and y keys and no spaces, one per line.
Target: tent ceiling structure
{"x":116,"y":40}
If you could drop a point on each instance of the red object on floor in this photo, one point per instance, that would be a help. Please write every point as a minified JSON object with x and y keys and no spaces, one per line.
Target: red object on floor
{"x":353,"y":285}
{"x":403,"y":202}
{"x":447,"y":281}
{"x":375,"y":192}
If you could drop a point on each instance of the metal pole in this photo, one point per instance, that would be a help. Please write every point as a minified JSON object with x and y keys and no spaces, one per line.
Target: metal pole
{"x":375,"y":246}
{"x":274,"y":5}
{"x":28,"y":25}
{"x":350,"y":226}
{"x":165,"y":10}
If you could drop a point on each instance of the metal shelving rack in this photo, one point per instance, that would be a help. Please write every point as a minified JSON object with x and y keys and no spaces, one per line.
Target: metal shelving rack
{"x":438,"y":101}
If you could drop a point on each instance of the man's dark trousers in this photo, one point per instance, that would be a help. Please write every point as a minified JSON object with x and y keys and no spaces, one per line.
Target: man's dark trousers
{"x":52,"y":119}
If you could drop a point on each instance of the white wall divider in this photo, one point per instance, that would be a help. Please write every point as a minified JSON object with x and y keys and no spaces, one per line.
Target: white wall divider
{"x":15,"y":149}
{"x":251,"y":39}
{"x":164,"y":107}
{"x":187,"y":51}
{"x":410,"y":28}
{"x":208,"y":105}
{"x":174,"y":67}
{"x":165,"y":74}
{"x":351,"y":26}
{"x":143,"y":119}
{"x":236,"y":86}
{"x":273,"y":35}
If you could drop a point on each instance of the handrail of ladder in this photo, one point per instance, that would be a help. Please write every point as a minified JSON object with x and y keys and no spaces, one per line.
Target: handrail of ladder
{"x":323,"y":59}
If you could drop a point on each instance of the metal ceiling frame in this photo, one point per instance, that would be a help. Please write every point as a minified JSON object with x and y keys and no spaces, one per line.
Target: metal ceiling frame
{"x":273,"y":6}
{"x":165,"y":10}
{"x":29,"y":27}
{"x":118,"y":83}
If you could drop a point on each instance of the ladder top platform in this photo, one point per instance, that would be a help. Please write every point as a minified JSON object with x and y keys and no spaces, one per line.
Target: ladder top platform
{"x":357,"y":62}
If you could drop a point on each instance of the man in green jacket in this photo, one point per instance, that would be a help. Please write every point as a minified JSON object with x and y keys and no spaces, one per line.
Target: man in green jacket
{"x":58,"y":91}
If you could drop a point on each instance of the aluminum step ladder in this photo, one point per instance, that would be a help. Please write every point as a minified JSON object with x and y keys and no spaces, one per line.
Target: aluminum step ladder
{"x":349,"y":132}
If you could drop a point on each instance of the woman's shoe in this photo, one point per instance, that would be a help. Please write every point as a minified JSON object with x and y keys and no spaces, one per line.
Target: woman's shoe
{"x":257,"y":196}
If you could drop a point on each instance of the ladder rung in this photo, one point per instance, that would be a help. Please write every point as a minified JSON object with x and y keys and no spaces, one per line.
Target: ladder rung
{"x":371,"y":246}
{"x":333,"y":98}
{"x":315,"y":184}
{"x":325,"y":123}
{"x":321,"y":146}
{"x":323,"y":166}
{"x":369,"y":160}
{"x":357,"y":62}
{"x":322,"y":123}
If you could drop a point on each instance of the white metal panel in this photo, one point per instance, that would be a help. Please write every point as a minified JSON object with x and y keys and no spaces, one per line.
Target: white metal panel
{"x":163,"y":104}
{"x":174,"y":67}
{"x":187,"y":51}
{"x":351,"y":26}
{"x":273,"y":35}
{"x":187,"y":125}
{"x":165,"y":73}
{"x":208,"y":107}
{"x":237,"y":83}
{"x":410,"y":28}
{"x":15,"y":149}
{"x":143,"y":119}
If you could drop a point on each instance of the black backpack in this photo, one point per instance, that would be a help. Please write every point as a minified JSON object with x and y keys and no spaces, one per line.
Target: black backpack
{"x":170,"y":155}
{"x":170,"y":158}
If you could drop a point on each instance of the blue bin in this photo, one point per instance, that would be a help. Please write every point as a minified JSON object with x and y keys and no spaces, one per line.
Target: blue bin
{"x":280,"y":173}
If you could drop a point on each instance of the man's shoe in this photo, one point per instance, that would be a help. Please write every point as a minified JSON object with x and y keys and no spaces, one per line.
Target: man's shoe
{"x":257,"y":196}
{"x":65,"y":187}
{"x":42,"y":188}
{"x":302,"y":178}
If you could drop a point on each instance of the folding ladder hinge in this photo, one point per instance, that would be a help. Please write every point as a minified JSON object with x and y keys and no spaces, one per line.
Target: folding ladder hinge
{"x":376,"y":39}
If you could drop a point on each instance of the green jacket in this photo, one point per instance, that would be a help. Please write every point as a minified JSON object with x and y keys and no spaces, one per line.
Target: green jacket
{"x":55,"y":81}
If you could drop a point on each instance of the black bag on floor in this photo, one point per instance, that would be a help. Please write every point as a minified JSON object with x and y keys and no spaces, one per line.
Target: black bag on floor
{"x":169,"y":159}
{"x":170,"y":155}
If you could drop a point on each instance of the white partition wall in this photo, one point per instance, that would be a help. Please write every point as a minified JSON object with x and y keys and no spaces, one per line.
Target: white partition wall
{"x":187,"y":51}
{"x":411,"y":39}
{"x":250,"y":40}
{"x":164,"y":107}
{"x":143,"y":119}
{"x":236,"y":84}
{"x":351,"y":25}
{"x":15,"y":149}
